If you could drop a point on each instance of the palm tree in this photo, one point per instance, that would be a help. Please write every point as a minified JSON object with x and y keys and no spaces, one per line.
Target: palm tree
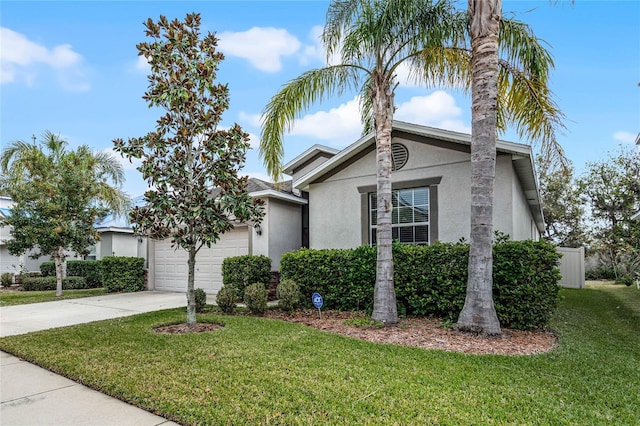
{"x":373,"y":39}
{"x":515,"y":91}
{"x":58,"y":195}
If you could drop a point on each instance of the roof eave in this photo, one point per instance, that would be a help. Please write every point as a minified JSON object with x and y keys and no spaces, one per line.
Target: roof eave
{"x":306,"y":155}
{"x":271,"y":193}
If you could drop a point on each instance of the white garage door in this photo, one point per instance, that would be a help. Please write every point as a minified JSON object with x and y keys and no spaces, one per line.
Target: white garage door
{"x":170,"y":265}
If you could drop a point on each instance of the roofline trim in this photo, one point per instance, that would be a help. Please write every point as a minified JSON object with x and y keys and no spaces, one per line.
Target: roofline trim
{"x":271,"y":193}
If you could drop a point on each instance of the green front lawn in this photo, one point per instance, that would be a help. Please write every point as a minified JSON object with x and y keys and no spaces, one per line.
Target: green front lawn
{"x":261,"y":371}
{"x":10,"y":297}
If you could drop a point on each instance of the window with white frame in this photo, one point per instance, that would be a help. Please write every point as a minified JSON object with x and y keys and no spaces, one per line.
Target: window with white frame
{"x":410,"y":216}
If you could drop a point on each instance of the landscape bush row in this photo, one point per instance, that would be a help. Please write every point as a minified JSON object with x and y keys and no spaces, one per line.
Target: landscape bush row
{"x":245,"y":279}
{"x":431,"y":280}
{"x":114,"y":273}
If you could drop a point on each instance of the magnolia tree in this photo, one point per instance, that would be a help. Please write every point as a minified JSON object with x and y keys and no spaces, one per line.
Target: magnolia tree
{"x":191,"y":164}
{"x":57,"y":196}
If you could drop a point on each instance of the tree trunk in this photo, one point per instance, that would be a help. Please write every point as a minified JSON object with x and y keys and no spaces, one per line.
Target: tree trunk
{"x":385,"y":309}
{"x":191,"y":297}
{"x":478,"y":313}
{"x":58,"y":257}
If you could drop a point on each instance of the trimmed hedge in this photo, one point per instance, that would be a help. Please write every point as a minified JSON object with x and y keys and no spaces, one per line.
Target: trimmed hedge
{"x":48,"y":268}
{"x":122,"y":274}
{"x":241,"y":271}
{"x":432,"y":280}
{"x":89,"y":269}
{"x":49,"y":283}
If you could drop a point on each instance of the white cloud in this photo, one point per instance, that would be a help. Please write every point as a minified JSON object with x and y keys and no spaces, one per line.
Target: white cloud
{"x":251,"y":119}
{"x":438,"y":109}
{"x":339,"y":126}
{"x":263,"y":47}
{"x":405,"y":76}
{"x":142,"y":65}
{"x":314,"y":51}
{"x":21,"y":57}
{"x":624,"y":137}
{"x":254,"y":140}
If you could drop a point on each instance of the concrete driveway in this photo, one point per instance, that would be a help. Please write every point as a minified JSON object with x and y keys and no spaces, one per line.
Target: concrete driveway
{"x":31,"y":395}
{"x":21,"y":319}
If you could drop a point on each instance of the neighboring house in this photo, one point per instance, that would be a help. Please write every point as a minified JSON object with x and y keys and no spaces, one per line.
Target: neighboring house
{"x":330,"y":203}
{"x":9,"y":262}
{"x":117,"y":238}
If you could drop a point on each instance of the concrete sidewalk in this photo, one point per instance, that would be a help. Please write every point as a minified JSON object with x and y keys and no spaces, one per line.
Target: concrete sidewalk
{"x":31,"y":395}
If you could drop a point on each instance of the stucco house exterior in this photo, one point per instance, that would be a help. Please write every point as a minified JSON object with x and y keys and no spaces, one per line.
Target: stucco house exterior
{"x":330,"y":202}
{"x":9,"y":262}
{"x":116,"y":239}
{"x":279,"y":232}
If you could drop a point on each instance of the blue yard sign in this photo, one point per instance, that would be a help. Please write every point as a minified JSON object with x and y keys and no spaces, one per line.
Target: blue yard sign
{"x":317,"y":300}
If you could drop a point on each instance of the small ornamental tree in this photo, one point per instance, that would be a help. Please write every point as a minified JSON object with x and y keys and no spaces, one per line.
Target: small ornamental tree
{"x":57,"y":196}
{"x":190,"y":163}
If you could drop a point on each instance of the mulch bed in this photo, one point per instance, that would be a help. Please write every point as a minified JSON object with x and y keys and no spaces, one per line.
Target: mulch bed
{"x":425,"y":333}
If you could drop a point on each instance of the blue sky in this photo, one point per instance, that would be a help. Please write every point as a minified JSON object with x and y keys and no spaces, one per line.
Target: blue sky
{"x":72,"y":68}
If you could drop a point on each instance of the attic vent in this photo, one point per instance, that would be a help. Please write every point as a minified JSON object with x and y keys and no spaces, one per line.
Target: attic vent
{"x":400,"y":155}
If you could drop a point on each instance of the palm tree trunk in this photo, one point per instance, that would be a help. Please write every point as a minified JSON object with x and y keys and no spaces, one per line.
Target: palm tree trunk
{"x":191,"y":298}
{"x":478,"y":313}
{"x":58,"y":257}
{"x":384,"y":298}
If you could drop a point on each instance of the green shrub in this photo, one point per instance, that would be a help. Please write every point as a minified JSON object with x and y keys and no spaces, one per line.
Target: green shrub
{"x":49,"y":283}
{"x":625,"y":279}
{"x":122,"y":274}
{"x":32,"y":274}
{"x":432,"y":280}
{"x":6,"y":279}
{"x":525,"y":283}
{"x":344,"y":278}
{"x":240,"y":271}
{"x":48,"y":269}
{"x":89,"y":269}
{"x":255,"y":297}
{"x":226,"y":299}
{"x":201,"y":299}
{"x":288,"y":294}
{"x":602,"y":272}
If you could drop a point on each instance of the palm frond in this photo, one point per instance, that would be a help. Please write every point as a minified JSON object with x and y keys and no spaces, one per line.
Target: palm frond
{"x":293,"y":100}
{"x":339,"y":16}
{"x":366,"y":107}
{"x":109,"y":166}
{"x":525,"y":100}
{"x":527,"y":103}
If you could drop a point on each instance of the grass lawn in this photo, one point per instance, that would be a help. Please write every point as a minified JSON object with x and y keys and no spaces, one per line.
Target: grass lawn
{"x":9,"y":298}
{"x":260,"y":371}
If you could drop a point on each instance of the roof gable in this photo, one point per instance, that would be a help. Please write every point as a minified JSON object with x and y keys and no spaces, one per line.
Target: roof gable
{"x":521,"y":157}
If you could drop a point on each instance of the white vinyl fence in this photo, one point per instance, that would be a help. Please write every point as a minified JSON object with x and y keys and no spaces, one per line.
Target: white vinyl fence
{"x":572,"y":267}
